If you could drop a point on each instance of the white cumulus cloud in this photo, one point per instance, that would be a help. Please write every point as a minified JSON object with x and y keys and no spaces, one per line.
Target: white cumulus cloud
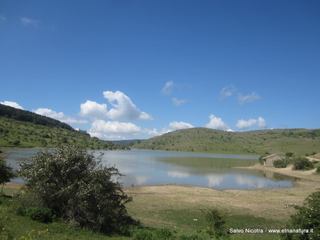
{"x":172,"y":126}
{"x":93,"y":109}
{"x":12,"y":104}
{"x":252,"y":97}
{"x":179,"y":125}
{"x":252,"y":122}
{"x":111,"y":130}
{"x":217,"y":123}
{"x":58,"y":116}
{"x":123,"y":108}
{"x":168,"y":88}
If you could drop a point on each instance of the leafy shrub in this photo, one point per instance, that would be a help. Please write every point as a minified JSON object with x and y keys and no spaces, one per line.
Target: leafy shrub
{"x":143,"y":234}
{"x":307,"y":217}
{"x":164,"y":234}
{"x":289,"y":154}
{"x":318,"y":170}
{"x":4,"y":232}
{"x":282,"y":163}
{"x":261,"y":161}
{"x":43,"y":215}
{"x":216,"y":223}
{"x":302,"y":164}
{"x":71,"y":183}
{"x":147,"y":234}
{"x":25,"y":200}
{"x":5,"y":172}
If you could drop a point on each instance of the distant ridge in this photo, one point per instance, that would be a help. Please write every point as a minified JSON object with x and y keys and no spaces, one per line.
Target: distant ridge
{"x":26,"y":116}
{"x":20,"y":128}
{"x":299,"y":141}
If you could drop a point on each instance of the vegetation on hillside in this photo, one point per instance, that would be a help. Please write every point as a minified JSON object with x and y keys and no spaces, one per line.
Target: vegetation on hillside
{"x":298,"y":141}
{"x":20,"y":128}
{"x":26,"y":116}
{"x":15,"y":133}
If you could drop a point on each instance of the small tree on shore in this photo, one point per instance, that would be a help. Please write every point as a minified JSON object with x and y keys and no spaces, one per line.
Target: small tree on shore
{"x":71,"y":183}
{"x":6,"y":173}
{"x":302,"y":164}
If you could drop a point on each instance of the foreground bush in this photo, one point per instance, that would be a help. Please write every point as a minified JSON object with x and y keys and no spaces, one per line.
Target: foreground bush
{"x":71,"y":183}
{"x":4,"y":232}
{"x":6,"y":172}
{"x":280,"y":163}
{"x":307,"y":217}
{"x":302,"y":164}
{"x":216,"y":224}
{"x":39,"y":214}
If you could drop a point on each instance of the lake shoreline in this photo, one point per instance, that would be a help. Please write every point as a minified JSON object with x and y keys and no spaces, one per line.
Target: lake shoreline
{"x":288,"y":171}
{"x":271,"y":203}
{"x":276,"y":203}
{"x":177,"y":168}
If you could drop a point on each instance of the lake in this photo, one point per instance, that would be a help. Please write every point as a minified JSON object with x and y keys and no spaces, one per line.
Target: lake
{"x":149,"y":167}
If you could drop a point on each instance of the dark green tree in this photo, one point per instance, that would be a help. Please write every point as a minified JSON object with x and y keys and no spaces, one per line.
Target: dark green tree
{"x":6,"y":173}
{"x":71,"y":183}
{"x":302,"y":164}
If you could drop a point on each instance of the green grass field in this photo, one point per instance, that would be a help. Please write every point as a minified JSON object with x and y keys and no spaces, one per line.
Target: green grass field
{"x":15,"y":133}
{"x":298,"y":141}
{"x":20,"y":227}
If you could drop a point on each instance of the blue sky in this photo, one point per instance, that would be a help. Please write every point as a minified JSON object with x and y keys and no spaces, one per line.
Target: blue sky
{"x":131,"y":69}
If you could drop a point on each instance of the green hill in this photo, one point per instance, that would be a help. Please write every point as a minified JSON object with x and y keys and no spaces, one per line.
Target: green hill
{"x":299,"y":141}
{"x":26,"y":116}
{"x":20,"y":128}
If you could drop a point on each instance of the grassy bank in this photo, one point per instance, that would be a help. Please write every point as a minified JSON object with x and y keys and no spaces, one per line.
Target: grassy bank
{"x":298,"y":141}
{"x":182,"y":221}
{"x":181,"y":209}
{"x":14,"y":133}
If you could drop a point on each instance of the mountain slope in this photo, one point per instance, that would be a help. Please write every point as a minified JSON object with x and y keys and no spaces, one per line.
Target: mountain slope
{"x":26,"y":116}
{"x":19,"y":128}
{"x":299,"y":141}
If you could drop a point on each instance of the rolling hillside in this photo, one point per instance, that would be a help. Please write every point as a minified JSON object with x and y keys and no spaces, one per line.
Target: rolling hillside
{"x":26,"y":116}
{"x":19,"y":128}
{"x":299,"y":141}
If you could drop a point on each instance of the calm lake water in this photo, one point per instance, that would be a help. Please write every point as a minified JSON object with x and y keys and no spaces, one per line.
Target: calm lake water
{"x":146,"y":167}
